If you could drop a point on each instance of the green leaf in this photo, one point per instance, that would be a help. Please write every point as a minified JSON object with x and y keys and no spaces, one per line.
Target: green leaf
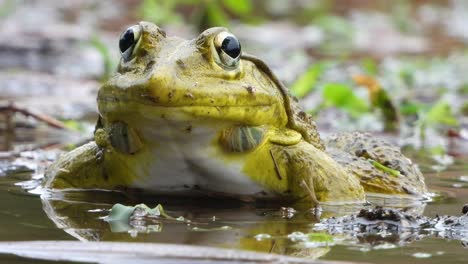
{"x":306,"y":83}
{"x":384,"y":168}
{"x":389,"y":110}
{"x":438,"y":150}
{"x":343,"y":97}
{"x":464,"y":109}
{"x":238,"y":7}
{"x":109,"y":64}
{"x":7,"y":7}
{"x":215,"y":15}
{"x":441,"y":114}
{"x":73,"y":125}
{"x":159,"y":11}
{"x":335,"y":25}
{"x":411,"y":108}
{"x":370,"y":66}
{"x":320,"y":237}
{"x":120,"y":212}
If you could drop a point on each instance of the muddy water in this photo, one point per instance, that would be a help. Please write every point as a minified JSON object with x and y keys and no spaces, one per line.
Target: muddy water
{"x":229,"y":224}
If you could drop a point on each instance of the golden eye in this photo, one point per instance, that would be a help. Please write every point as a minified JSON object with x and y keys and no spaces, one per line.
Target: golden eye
{"x":228,"y":48}
{"x":128,"y":41}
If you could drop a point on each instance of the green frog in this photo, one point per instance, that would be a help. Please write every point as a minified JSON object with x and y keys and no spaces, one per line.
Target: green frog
{"x":200,"y":117}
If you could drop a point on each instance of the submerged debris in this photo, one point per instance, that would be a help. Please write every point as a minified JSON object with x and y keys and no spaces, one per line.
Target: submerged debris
{"x":387,"y":224}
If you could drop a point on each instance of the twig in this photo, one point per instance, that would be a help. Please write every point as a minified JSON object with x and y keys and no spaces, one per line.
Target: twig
{"x":11,"y":108}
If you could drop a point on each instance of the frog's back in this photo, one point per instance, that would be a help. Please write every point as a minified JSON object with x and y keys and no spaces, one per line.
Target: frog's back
{"x":380,"y":166}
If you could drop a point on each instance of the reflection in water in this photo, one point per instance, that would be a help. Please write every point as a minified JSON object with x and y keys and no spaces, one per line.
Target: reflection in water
{"x":227,"y":224}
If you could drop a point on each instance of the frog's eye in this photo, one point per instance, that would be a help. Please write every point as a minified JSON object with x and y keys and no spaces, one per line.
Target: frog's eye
{"x":128,"y":41}
{"x":228,"y":48}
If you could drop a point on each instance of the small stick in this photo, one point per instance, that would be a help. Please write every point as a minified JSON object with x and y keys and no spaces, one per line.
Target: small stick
{"x":41,"y":117}
{"x":278,"y":172}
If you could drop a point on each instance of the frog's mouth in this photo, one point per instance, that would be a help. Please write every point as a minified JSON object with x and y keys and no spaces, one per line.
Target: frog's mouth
{"x":144,"y":107}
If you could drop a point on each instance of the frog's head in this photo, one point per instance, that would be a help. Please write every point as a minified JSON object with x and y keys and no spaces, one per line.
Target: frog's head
{"x":198,"y":80}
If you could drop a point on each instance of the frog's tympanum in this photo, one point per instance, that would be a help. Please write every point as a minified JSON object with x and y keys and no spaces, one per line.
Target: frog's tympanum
{"x":201,"y":117}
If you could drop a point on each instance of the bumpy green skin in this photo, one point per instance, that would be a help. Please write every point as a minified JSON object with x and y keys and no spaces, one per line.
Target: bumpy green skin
{"x":175,"y":93}
{"x":356,"y":151}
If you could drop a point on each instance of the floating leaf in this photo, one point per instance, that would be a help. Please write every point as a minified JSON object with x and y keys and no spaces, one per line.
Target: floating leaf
{"x":342,"y":96}
{"x":306,"y":83}
{"x":120,"y":212}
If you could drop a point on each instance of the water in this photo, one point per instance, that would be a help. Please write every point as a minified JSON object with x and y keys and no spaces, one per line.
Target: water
{"x":228,"y":224}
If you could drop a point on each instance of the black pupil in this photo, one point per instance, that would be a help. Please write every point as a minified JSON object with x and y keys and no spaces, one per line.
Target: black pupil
{"x":126,"y":40}
{"x":231,"y":46}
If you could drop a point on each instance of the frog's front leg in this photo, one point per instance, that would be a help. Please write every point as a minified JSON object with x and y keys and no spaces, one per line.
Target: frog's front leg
{"x":95,"y":165}
{"x":80,"y":168}
{"x":314,"y":177}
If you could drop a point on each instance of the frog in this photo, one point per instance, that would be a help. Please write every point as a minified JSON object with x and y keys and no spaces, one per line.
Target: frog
{"x":200,"y":117}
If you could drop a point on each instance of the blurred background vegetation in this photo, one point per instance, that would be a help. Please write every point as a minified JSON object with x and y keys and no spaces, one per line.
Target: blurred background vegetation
{"x":396,"y":67}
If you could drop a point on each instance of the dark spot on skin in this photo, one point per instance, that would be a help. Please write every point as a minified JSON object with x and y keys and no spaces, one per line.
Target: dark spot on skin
{"x":189,"y":95}
{"x":105,"y":175}
{"x":163,"y":116}
{"x":162,"y":32}
{"x":186,"y":186}
{"x":250,"y":89}
{"x":408,"y":190}
{"x":170,"y":94}
{"x":212,"y":101}
{"x":361,"y":153}
{"x":195,"y":84}
{"x":302,"y":115}
{"x":181,"y":64}
{"x":150,"y":98}
{"x":149,"y":66}
{"x":189,"y":129}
